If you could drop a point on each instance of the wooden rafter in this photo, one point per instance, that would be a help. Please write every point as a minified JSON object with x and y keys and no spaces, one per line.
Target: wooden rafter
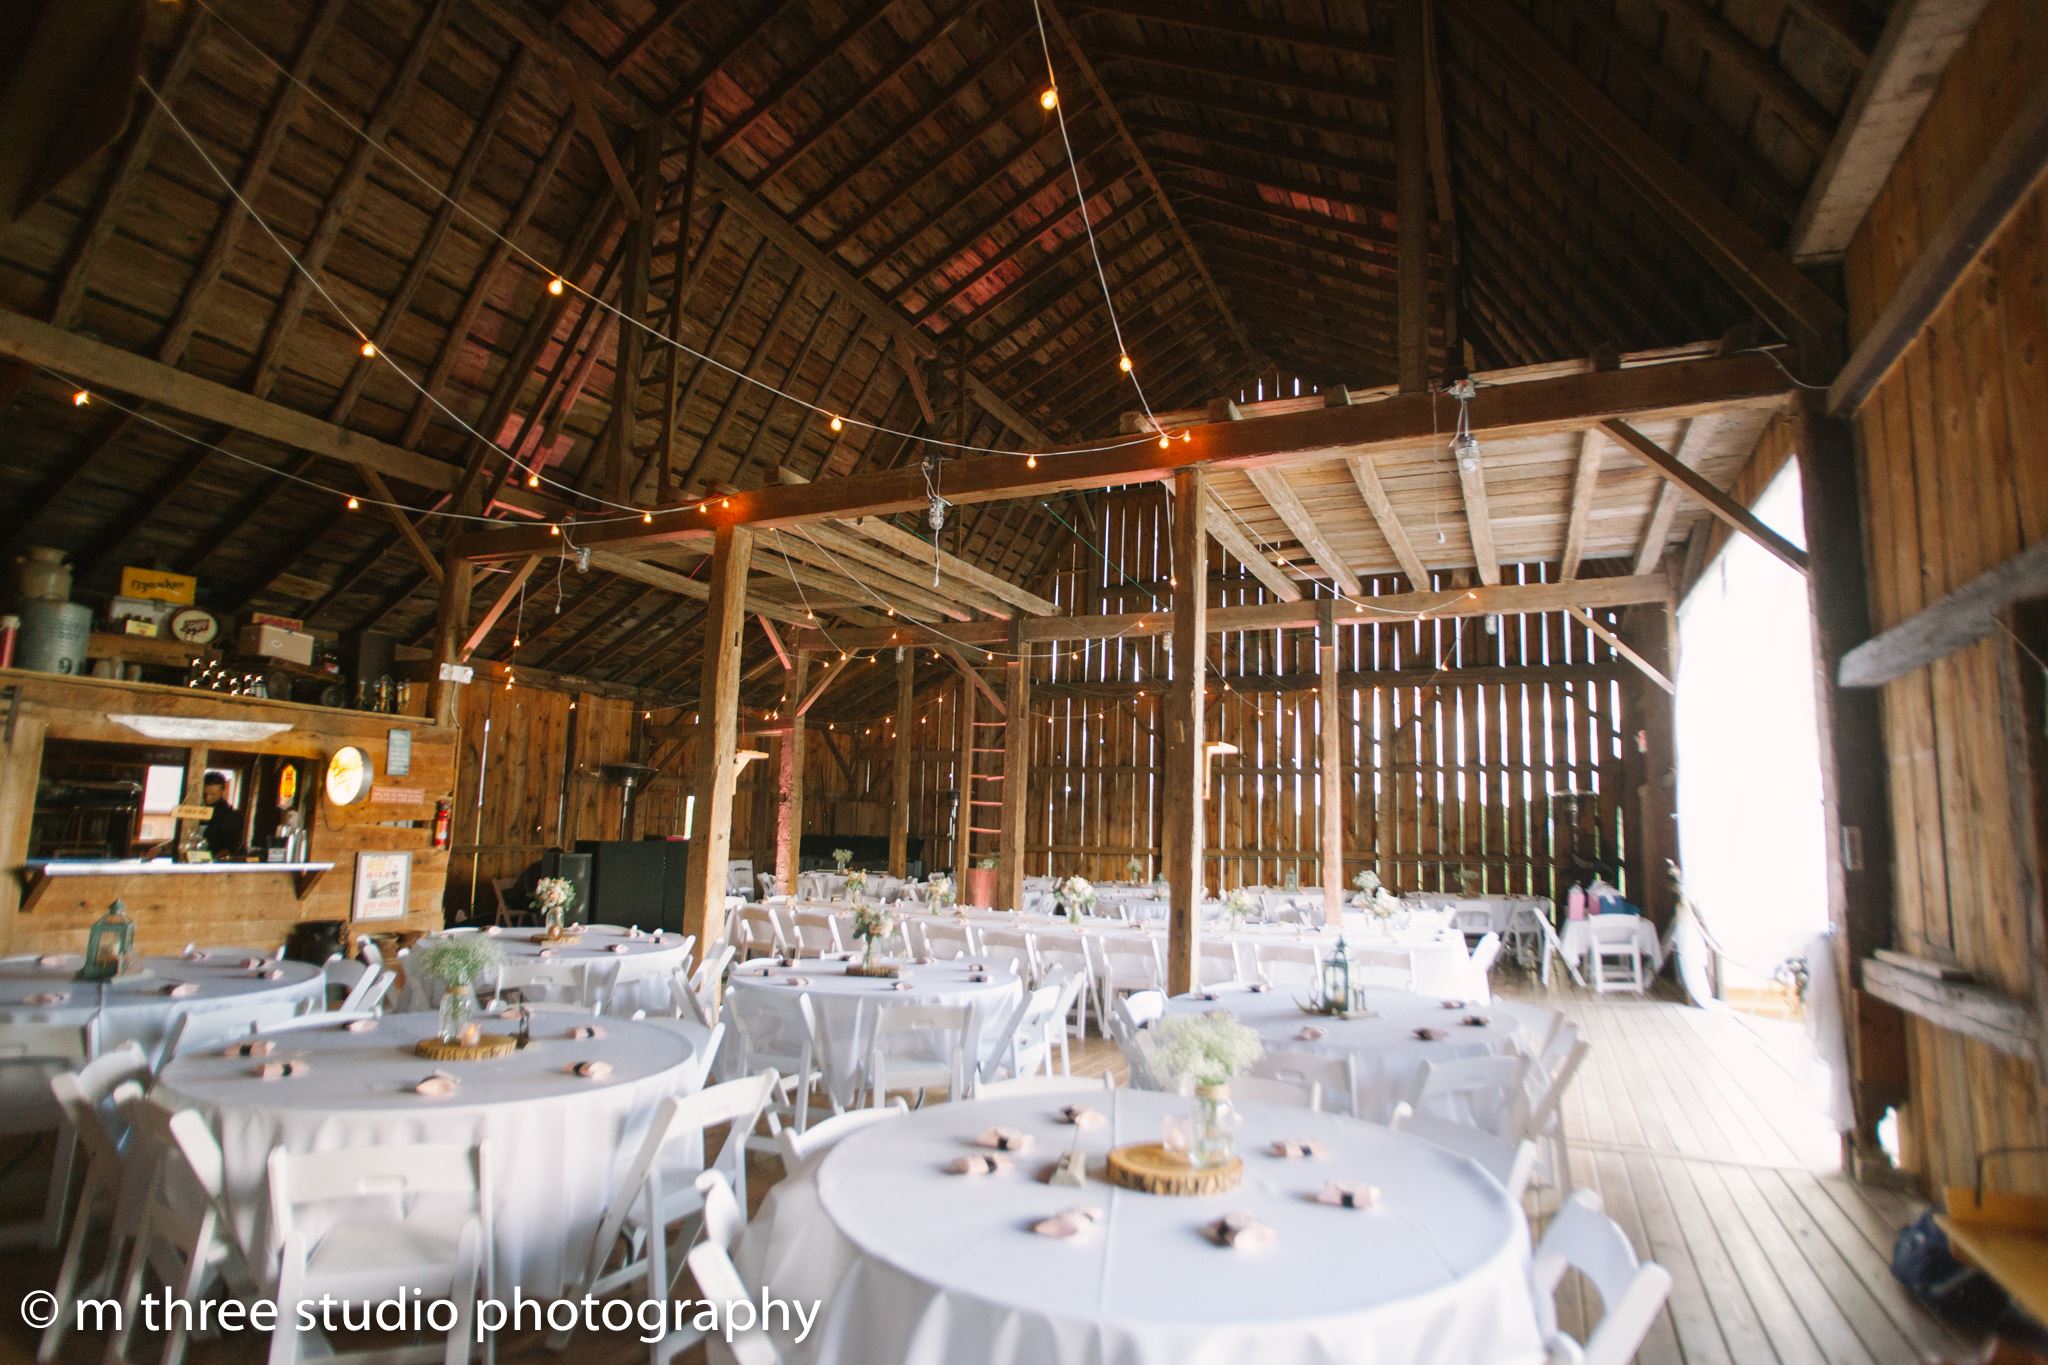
{"x":1367,"y":477}
{"x":1223,"y":528}
{"x":1272,"y":486}
{"x":1585,"y":482}
{"x":513,"y":586}
{"x":1657,"y":529}
{"x":1718,"y":502}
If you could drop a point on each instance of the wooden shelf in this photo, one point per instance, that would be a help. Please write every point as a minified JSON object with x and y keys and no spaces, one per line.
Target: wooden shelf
{"x":1960,"y":1006}
{"x":37,"y":876}
{"x":2005,"y":1236}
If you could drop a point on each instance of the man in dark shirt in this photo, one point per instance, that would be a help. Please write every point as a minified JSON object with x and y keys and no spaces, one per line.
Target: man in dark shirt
{"x":223,"y":828}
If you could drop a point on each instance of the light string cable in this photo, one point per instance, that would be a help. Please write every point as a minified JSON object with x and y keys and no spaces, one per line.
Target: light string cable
{"x":1059,"y":112}
{"x":554,"y":278}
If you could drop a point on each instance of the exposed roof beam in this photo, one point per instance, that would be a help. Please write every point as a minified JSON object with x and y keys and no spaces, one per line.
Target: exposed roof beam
{"x":1718,"y":502}
{"x":1238,"y":24}
{"x":1272,"y":486}
{"x":1623,"y":648}
{"x":1251,"y":73}
{"x":1657,"y":530}
{"x":1222,"y":526}
{"x":1479,"y":518}
{"x":499,"y":606}
{"x":1367,"y":477}
{"x":1585,"y":480}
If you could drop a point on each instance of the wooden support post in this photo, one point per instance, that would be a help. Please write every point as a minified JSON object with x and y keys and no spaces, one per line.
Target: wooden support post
{"x":1411,"y":196}
{"x":1181,"y":801}
{"x":963,"y":820}
{"x":1330,"y":723}
{"x":1016,"y":772}
{"x":451,"y":613}
{"x":789,"y":778}
{"x":1855,"y":810}
{"x":899,"y":776}
{"x":716,"y":767}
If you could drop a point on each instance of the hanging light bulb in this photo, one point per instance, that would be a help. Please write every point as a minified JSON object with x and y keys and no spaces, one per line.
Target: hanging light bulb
{"x":533,"y":479}
{"x":369,"y":349}
{"x":647,"y":517}
{"x":1123,"y":362}
{"x":353,"y":502}
{"x":556,"y":286}
{"x":81,"y":398}
{"x":1466,"y":448}
{"x":1049,"y":98}
{"x":1031,"y":462}
{"x":1164,"y":440}
{"x":837,"y":424}
{"x":1187,"y":436}
{"x":554,"y":530}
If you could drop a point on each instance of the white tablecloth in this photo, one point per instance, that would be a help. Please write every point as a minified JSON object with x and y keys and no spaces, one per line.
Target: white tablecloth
{"x":845,"y":1005}
{"x":644,"y":968}
{"x":558,"y":1143}
{"x":1388,"y":1055}
{"x":1577,"y":940}
{"x":922,"y":1267}
{"x":137,"y":1008}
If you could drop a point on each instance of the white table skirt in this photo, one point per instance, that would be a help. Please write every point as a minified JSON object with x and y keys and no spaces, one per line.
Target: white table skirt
{"x":558,"y":1143}
{"x":644,"y":968}
{"x":1388,"y":1057}
{"x":138,"y":1010}
{"x":845,"y":1005}
{"x":919,"y":1267}
{"x":1577,"y":941}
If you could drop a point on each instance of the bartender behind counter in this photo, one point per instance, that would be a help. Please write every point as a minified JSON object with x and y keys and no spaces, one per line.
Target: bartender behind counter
{"x":223,"y":829}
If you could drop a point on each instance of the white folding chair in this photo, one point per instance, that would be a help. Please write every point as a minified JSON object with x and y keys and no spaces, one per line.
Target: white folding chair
{"x":1632,"y":1291}
{"x":718,"y":1280}
{"x":1288,"y":966}
{"x":659,"y":1190}
{"x":817,"y":933}
{"x":92,"y":1099}
{"x":368,"y":1224}
{"x":211,"y":1029}
{"x":1128,"y":1018}
{"x":1273,"y":1090}
{"x":756,"y":932}
{"x":1549,"y":1077}
{"x":554,"y":981}
{"x":353,"y":979}
{"x":1382,"y":969}
{"x":1511,"y":1163}
{"x":1069,"y":952}
{"x":1484,"y":954}
{"x":1124,"y":962}
{"x":1336,"y":1077}
{"x":800,"y":1150}
{"x":1553,"y":947}
{"x":30,"y":1054}
{"x":786,"y":1042}
{"x":1482,"y":1092}
{"x":185,"y":1243}
{"x":1221,"y":962}
{"x":1043,"y":1085}
{"x":921,"y":1048}
{"x":946,"y":938}
{"x":1617,"y":954}
{"x":1024,"y":1043}
{"x":1073,"y":991}
{"x":1012,"y":947}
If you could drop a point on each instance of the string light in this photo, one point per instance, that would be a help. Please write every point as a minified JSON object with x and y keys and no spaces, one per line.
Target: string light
{"x":554,"y":529}
{"x":1164,"y":440}
{"x":556,"y":286}
{"x":1123,"y":362}
{"x":1049,"y":98}
{"x":354,"y":503}
{"x":647,"y":518}
{"x":80,"y":399}
{"x":369,"y":350}
{"x":533,"y":480}
{"x":837,"y":424}
{"x":1031,"y":462}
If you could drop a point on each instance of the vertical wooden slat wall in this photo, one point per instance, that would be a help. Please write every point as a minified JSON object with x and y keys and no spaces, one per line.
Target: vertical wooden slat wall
{"x":1955,"y":480}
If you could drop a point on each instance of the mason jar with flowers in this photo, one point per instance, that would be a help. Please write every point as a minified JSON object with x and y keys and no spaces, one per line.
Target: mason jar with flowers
{"x":1368,"y":883}
{"x":552,"y":896}
{"x":1240,"y":905}
{"x":856,"y":885}
{"x":871,"y":925}
{"x":940,"y":891}
{"x":458,"y":963}
{"x":1075,"y":897}
{"x":1199,"y":1055}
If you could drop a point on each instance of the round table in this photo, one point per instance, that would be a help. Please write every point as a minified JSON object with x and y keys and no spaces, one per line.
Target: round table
{"x":140,"y":1009}
{"x":845,"y":1005}
{"x":558,"y":1143}
{"x":920,"y":1266}
{"x":644,"y":967}
{"x":1387,"y":1054}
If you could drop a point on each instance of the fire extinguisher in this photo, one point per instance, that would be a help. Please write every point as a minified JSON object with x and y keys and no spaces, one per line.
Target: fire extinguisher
{"x":442,"y":820}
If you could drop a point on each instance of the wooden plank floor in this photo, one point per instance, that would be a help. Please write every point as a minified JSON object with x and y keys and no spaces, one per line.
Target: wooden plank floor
{"x":1699,"y":1134}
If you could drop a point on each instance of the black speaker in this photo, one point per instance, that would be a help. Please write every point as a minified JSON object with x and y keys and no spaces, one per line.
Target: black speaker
{"x":576,"y":867}
{"x":636,"y":883}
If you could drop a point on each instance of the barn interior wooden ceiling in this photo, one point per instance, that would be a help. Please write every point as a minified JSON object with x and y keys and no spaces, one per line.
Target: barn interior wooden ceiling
{"x":865,"y":205}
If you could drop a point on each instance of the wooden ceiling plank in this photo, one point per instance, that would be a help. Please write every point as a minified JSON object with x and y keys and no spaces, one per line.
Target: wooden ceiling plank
{"x":1585,"y":482}
{"x":1224,"y":530}
{"x":1248,"y":72}
{"x":1239,"y":24}
{"x":826,"y":48}
{"x":1367,"y":476}
{"x":1756,"y":68}
{"x":1718,"y":502}
{"x":1657,"y":529}
{"x":915,"y":547}
{"x":1273,"y":487}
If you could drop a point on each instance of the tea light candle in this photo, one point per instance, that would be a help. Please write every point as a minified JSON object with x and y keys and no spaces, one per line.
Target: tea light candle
{"x":471,"y":1034}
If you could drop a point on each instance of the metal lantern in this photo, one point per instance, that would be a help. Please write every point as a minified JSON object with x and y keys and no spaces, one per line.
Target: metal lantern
{"x":1337,"y":979}
{"x":109,"y":945}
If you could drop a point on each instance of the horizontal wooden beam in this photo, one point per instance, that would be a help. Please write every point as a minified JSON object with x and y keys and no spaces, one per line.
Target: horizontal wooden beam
{"x":2002,"y":181}
{"x":1962,"y":618}
{"x":1509,"y":599}
{"x":1531,"y":407}
{"x":1696,"y":483}
{"x":1959,"y":1006}
{"x":655,"y":576}
{"x":1623,"y":648}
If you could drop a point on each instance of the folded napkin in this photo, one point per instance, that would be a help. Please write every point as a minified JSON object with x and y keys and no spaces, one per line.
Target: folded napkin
{"x":181,"y":989}
{"x":437,"y":1085}
{"x":1349,"y":1194}
{"x":1005,"y":1140}
{"x":54,"y":960}
{"x":1081,"y":1116}
{"x":1310,"y":1034}
{"x":591,"y":1071}
{"x":1072,"y":1223}
{"x":1258,"y":987}
{"x":977,"y":978}
{"x":1453,"y":1004}
{"x":512,"y":1012}
{"x":902,"y":986}
{"x":1431,"y":1035}
{"x":359,"y":1025}
{"x":271,"y":974}
{"x":922,"y":961}
{"x":193,"y":953}
{"x":1475,"y":1021}
{"x":843,"y":957}
{"x":493,"y":930}
{"x":1205,"y":995}
{"x":977,"y":967}
{"x":255,"y":1047}
{"x":620,"y":948}
{"x":796,"y":981}
{"x":48,"y":998}
{"x":548,"y":952}
{"x":277,"y":1071}
{"x":980,"y":1164}
{"x":1293,"y":1148}
{"x":1242,"y":1232}
{"x":253,"y":964}
{"x":587,"y":1031}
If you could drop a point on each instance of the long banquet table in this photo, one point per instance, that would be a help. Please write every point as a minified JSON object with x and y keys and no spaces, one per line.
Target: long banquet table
{"x":919,"y":1266}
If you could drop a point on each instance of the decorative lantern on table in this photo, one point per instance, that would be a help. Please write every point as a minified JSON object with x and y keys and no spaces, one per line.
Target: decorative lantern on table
{"x":1338,"y":992}
{"x":109,"y":946}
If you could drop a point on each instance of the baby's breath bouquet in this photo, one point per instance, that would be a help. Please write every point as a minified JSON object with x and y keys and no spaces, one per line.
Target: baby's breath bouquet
{"x":841,"y":857}
{"x":1200,"y":1049}
{"x":1075,"y":895}
{"x":1239,"y":904}
{"x":458,"y":962}
{"x":551,"y":896}
{"x":941,"y":892}
{"x":872,"y":924}
{"x":1135,"y":868}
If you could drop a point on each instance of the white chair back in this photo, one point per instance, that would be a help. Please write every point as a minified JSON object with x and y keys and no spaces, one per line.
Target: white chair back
{"x":213,"y":1028}
{"x":1044,"y":1085}
{"x":30,"y":1055}
{"x":921,"y":1047}
{"x":1334,"y":1076}
{"x":788,"y":1042}
{"x":946,"y":938}
{"x":1485,"y":952}
{"x":805,"y":1149}
{"x":1511,"y":1163}
{"x":1483,"y":1092}
{"x":718,"y":1281}
{"x":1025,"y":1042}
{"x":1259,"y":1089}
{"x":1288,"y":966}
{"x":1632,"y":1292}
{"x":1221,"y":962}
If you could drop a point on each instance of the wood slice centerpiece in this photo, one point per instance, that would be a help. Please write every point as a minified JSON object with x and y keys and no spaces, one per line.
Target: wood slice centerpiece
{"x":859,"y":968}
{"x":1149,"y":1168}
{"x":483,"y":1049}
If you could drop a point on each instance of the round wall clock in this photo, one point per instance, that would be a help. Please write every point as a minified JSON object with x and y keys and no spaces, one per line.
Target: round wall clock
{"x":348,"y":776}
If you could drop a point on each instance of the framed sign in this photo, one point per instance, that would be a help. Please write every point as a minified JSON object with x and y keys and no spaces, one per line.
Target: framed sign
{"x":383,"y":882}
{"x":398,"y":753}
